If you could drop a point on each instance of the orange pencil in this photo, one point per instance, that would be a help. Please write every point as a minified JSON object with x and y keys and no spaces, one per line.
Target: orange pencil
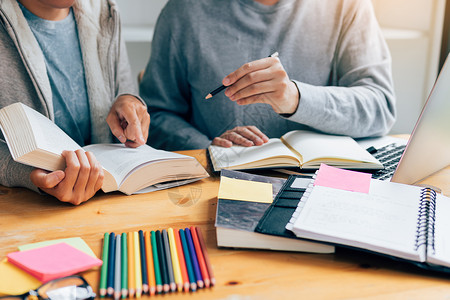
{"x":205,"y":256}
{"x":150,"y":267}
{"x":182,"y":261}
{"x":201,"y":259}
{"x":131,"y":269}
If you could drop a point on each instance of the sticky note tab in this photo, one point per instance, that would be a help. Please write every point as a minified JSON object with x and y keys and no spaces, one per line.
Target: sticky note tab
{"x":245,"y":190}
{"x":301,"y":183}
{"x":15,"y":281}
{"x":54,"y":261}
{"x":75,"y":242}
{"x":343,"y":179}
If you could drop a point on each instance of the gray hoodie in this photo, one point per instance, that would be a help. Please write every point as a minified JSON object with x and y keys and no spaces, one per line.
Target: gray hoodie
{"x":23,"y":75}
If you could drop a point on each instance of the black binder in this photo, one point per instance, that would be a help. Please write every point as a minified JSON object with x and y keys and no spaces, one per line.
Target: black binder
{"x":280,"y":211}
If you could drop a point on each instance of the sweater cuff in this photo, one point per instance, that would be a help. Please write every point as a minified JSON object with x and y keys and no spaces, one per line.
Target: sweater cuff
{"x":309,"y":104}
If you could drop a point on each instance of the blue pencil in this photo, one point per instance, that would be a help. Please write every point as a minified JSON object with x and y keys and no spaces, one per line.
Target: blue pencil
{"x":187,"y":259}
{"x":195,"y":264}
{"x":111,"y":265}
{"x":143,"y":262}
{"x":173,"y":286}
{"x":162,"y":262}
{"x":117,"y":270}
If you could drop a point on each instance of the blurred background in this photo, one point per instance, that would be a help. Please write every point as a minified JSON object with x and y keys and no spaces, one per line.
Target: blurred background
{"x":417,"y":32}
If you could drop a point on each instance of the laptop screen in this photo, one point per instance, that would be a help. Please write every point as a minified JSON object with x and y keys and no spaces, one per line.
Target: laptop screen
{"x":428,"y":148}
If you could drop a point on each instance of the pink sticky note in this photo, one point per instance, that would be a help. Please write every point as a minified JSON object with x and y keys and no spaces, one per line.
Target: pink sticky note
{"x":54,"y":261}
{"x":343,"y":179}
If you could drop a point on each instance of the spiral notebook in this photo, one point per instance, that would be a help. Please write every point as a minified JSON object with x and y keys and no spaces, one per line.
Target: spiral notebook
{"x":402,"y":221}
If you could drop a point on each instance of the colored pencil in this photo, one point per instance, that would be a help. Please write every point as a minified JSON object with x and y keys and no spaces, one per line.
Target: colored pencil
{"x":124,"y":269}
{"x":131,"y":271}
{"x":117,"y":269}
{"x":194,"y":260}
{"x":188,"y":260}
{"x":112,"y":250}
{"x":173,"y":286}
{"x":175,"y":260}
{"x":143,"y":262}
{"x":137,"y":262}
{"x":200,"y":258}
{"x":182,"y":261}
{"x":205,"y":255}
{"x":150,"y":267}
{"x":162,"y":262}
{"x":158,"y":280}
{"x":104,"y":270}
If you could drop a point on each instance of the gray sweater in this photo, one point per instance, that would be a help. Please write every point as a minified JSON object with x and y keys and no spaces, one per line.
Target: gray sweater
{"x":23,"y":75}
{"x":332,"y":49}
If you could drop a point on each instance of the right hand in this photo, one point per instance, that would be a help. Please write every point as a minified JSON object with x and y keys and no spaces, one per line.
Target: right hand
{"x":79,"y":182}
{"x":246,"y":136}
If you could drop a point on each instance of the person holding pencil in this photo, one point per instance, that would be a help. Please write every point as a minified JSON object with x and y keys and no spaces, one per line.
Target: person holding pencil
{"x":333,"y":72}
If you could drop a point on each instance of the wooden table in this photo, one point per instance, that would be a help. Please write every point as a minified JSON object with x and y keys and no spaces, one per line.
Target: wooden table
{"x":26,"y":217}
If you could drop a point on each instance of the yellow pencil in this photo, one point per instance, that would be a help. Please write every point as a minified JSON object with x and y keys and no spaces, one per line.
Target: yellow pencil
{"x":175,"y":261}
{"x":137,"y":261}
{"x":131,"y":271}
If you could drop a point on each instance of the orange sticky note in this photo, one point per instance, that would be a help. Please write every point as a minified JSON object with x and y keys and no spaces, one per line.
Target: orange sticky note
{"x":54,"y":261}
{"x":343,"y":179}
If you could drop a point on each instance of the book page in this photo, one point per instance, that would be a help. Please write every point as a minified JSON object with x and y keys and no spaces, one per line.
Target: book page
{"x":383,"y":220}
{"x":245,"y":157}
{"x":313,"y":146}
{"x":120,"y":161}
{"x":441,"y":252}
{"x":49,"y":136}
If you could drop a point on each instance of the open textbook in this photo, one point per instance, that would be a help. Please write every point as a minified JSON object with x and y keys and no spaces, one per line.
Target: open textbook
{"x":298,"y":148}
{"x":35,"y":140}
{"x":403,"y":221}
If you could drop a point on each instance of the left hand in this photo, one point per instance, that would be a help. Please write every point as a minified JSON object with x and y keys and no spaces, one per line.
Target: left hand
{"x":129,"y":121}
{"x":263,"y":81}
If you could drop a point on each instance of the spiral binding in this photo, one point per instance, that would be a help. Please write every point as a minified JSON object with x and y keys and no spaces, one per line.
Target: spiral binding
{"x":426,"y":219}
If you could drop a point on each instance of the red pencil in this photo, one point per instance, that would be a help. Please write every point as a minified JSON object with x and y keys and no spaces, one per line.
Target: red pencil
{"x":205,"y":256}
{"x":201,"y":259}
{"x":182,"y":261}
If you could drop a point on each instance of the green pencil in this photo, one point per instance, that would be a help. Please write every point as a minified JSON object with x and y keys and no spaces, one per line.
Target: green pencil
{"x":158,"y":280}
{"x":124,"y":270}
{"x":104,"y":270}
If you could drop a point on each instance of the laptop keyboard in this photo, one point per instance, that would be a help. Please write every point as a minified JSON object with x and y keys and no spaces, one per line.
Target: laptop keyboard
{"x":389,"y":156}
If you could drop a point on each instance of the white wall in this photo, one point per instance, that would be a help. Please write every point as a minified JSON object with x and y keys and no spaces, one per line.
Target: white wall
{"x":413,"y":30}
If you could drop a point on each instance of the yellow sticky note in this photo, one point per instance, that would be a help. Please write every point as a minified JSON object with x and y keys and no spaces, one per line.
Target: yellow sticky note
{"x":245,"y":190}
{"x":75,"y":242}
{"x":15,"y":281}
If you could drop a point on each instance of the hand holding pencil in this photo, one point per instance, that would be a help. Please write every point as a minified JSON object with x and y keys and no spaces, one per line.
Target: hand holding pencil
{"x":261,"y":81}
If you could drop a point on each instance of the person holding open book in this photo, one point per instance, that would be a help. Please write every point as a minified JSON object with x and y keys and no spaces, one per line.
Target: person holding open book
{"x":333,"y":73}
{"x":66,"y":60}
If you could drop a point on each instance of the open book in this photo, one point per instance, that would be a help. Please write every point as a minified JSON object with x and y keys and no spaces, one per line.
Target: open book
{"x":35,"y":140}
{"x":398,"y":220}
{"x":298,"y":148}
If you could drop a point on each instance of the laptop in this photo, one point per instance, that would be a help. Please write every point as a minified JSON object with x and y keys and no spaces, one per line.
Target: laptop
{"x":428,"y":148}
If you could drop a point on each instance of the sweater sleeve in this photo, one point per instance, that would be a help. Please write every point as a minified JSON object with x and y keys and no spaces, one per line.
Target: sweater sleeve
{"x":165,"y":89}
{"x":361,"y":100}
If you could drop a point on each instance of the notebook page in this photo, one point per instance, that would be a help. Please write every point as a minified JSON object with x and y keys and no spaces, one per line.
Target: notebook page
{"x":441,"y":253}
{"x":383,"y":220}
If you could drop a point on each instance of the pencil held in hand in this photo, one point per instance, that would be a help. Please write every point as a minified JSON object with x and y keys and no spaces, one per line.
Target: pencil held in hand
{"x":222,"y":87}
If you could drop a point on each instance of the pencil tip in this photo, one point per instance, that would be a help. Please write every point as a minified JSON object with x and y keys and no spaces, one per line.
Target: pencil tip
{"x":208,"y":96}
